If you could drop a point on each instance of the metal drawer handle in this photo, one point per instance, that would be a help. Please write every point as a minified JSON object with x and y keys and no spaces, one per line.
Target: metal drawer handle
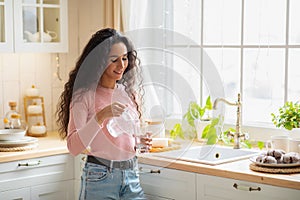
{"x":155,"y":171}
{"x":33,"y":163}
{"x":152,"y":171}
{"x":245,"y":188}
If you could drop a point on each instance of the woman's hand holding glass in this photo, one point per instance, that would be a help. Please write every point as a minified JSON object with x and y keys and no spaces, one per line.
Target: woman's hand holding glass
{"x":143,"y":139}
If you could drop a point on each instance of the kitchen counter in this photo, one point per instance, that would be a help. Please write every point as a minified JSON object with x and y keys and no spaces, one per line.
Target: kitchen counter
{"x":47,"y":146}
{"x":53,"y":145}
{"x":235,"y":170}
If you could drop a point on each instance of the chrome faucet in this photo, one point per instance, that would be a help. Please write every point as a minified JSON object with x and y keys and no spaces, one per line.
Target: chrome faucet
{"x":238,"y":133}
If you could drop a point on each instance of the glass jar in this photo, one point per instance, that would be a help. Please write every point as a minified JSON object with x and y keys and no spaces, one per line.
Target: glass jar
{"x":12,"y":118}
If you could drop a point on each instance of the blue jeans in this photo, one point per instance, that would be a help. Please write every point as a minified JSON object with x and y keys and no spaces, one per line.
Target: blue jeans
{"x":99,"y":182}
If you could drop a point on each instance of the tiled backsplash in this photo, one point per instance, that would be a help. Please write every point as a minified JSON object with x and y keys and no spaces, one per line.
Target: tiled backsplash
{"x":19,"y":71}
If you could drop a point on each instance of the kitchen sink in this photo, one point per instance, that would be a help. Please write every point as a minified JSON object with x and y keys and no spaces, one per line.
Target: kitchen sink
{"x":209,"y":154}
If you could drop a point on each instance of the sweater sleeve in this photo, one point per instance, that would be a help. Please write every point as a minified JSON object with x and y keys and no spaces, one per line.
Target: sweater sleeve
{"x":82,"y":128}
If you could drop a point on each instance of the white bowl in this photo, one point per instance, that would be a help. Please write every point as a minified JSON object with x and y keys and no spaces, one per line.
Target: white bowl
{"x":12,"y":134}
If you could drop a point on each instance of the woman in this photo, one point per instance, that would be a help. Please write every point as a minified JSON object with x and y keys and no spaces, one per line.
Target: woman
{"x":105,"y":82}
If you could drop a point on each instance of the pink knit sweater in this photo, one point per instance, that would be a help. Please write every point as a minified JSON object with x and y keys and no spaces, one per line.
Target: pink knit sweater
{"x":84,"y":132}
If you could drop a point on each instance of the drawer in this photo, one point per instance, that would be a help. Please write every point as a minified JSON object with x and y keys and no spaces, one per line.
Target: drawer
{"x":217,"y":188}
{"x":168,"y":184}
{"x":25,"y":173}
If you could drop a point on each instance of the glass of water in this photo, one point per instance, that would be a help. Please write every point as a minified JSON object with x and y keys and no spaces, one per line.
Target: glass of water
{"x":143,"y":139}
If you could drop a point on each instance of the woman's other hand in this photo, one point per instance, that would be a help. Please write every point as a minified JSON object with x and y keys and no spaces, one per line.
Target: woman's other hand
{"x":145,"y":143}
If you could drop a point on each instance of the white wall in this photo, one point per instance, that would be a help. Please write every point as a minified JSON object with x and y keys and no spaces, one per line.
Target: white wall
{"x":18,"y":71}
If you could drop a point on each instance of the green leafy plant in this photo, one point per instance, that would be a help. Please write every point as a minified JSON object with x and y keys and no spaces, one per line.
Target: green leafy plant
{"x":210,"y":131}
{"x":244,"y":143}
{"x":195,"y":111}
{"x":288,"y":117}
{"x":177,"y":132}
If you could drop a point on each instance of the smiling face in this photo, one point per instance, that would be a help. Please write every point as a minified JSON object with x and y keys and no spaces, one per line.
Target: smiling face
{"x":117,"y":64}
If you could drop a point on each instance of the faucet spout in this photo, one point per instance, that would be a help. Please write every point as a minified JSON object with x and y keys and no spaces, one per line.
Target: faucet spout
{"x":238,"y":134}
{"x":225,"y":101}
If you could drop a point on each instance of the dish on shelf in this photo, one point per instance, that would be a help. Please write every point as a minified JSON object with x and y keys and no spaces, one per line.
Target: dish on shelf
{"x":276,"y":165}
{"x":26,"y":140}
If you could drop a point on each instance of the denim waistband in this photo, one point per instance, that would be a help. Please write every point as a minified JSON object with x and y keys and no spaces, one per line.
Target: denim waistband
{"x":123,"y":164}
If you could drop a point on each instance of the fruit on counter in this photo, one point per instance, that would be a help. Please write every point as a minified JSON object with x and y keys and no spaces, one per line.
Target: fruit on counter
{"x":5,"y":120}
{"x":266,"y":159}
{"x":278,"y":156}
{"x":291,"y":157}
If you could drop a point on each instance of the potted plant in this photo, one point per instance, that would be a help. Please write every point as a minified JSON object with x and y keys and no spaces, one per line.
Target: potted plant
{"x":288,"y":117}
{"x":197,"y":112}
{"x":197,"y":117}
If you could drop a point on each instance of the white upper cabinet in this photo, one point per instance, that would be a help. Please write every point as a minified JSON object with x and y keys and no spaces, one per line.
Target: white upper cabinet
{"x":38,"y":25}
{"x":6,"y":26}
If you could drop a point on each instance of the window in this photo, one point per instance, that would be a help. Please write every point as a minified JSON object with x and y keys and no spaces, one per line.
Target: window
{"x":254,"y":45}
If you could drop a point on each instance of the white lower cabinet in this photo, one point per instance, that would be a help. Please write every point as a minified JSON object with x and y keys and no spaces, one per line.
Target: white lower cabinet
{"x":167,"y":184}
{"x":50,"y":178}
{"x":18,"y":194}
{"x":59,"y":190}
{"x":217,"y":188}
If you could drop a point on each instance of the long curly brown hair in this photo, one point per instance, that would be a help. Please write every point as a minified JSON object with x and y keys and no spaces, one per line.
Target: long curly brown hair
{"x":89,"y":69}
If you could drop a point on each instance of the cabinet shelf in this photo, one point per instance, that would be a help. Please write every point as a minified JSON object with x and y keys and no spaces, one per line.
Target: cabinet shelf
{"x":34,"y":115}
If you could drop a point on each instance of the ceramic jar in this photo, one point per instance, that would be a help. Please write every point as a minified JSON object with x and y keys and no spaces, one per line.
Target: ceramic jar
{"x":32,"y":92}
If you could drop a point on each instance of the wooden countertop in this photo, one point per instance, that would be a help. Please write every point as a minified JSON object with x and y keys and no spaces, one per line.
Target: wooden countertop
{"x":235,"y":170}
{"x":47,"y":146}
{"x":52,"y":145}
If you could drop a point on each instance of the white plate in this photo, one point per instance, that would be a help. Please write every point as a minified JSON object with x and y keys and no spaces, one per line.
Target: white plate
{"x":26,"y":140}
{"x":282,"y":165}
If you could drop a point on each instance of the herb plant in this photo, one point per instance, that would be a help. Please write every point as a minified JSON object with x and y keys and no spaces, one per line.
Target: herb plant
{"x":177,"y":132}
{"x":195,"y":111}
{"x":288,"y":117}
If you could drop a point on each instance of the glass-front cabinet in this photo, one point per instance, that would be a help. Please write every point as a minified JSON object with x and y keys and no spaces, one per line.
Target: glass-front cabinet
{"x":41,"y":25}
{"x":6,"y":26}
{"x":38,"y":25}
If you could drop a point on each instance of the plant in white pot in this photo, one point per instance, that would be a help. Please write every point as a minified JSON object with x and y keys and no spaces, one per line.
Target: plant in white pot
{"x":199,"y":116}
{"x":288,"y":117}
{"x":196,"y":115}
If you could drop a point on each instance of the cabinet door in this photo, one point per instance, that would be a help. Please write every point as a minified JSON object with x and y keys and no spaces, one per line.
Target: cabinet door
{"x":41,"y":26}
{"x":168,"y":184}
{"x":216,"y":188}
{"x":60,"y":190}
{"x":20,"y":194}
{"x":6,"y":26}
